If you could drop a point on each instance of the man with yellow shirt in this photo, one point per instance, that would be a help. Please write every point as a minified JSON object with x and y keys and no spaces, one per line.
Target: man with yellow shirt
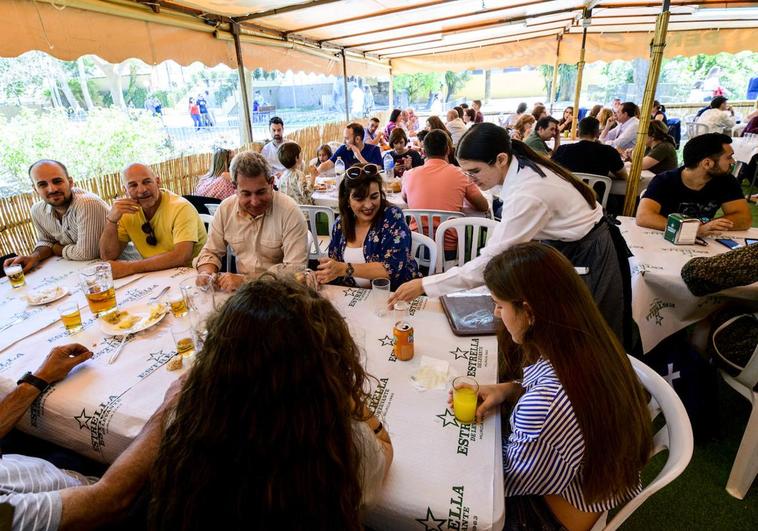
{"x":165,"y":228}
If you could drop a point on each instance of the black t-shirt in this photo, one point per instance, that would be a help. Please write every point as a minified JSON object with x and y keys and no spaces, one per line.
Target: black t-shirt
{"x":586,"y":156}
{"x":669,"y":191}
{"x":416,"y":160}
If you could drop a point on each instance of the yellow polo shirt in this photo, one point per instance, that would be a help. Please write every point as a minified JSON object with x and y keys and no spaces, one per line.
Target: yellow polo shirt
{"x":176,"y":220}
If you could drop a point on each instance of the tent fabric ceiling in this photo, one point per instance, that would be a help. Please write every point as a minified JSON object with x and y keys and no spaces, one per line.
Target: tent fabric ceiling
{"x":409,"y":35}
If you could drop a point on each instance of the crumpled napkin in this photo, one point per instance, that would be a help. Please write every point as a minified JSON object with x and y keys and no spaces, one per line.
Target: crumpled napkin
{"x":431,"y":374}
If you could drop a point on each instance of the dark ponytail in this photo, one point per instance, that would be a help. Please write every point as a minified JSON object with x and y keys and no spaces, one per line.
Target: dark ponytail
{"x":485,"y":141}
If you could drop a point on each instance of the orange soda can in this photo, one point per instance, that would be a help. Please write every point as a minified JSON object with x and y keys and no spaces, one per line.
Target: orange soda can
{"x":403,"y":348}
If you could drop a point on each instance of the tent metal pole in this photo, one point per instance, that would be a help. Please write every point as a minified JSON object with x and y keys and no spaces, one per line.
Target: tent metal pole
{"x":344,"y":80}
{"x":656,"y":58}
{"x":578,"y":88}
{"x":247,"y":130}
{"x":391,"y":96}
{"x":554,"y":84}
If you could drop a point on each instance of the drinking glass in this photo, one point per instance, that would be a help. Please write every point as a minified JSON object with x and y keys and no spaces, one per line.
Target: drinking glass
{"x":400,"y":311}
{"x":71,"y":317}
{"x":183,"y":338}
{"x":15,"y":274}
{"x":201,"y":299}
{"x":465,"y":396}
{"x":178,"y":304}
{"x":96,"y":282}
{"x":380,"y":294}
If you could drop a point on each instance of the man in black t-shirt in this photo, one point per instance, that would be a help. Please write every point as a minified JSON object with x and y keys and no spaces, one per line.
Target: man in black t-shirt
{"x":698,"y":189}
{"x":588,"y":155}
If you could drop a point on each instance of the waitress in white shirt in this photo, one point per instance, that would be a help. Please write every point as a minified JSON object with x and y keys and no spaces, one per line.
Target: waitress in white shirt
{"x":541,"y":201}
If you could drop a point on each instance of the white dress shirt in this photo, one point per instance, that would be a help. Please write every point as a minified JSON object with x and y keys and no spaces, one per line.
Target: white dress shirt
{"x":624,"y":136}
{"x":534,"y":208}
{"x":717,"y":120}
{"x":270,"y":153}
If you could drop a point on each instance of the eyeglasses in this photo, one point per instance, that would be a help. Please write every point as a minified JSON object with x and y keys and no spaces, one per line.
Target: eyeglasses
{"x":356,"y":172}
{"x":148,"y":229}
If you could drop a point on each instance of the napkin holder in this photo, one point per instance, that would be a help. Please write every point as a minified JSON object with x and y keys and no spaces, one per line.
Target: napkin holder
{"x":681,"y":229}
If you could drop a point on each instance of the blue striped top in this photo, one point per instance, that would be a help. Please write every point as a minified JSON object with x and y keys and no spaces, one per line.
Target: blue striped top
{"x":544,"y":452}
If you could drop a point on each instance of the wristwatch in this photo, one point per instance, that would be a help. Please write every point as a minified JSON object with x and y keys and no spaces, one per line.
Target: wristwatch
{"x":349,"y":270}
{"x":30,"y":379}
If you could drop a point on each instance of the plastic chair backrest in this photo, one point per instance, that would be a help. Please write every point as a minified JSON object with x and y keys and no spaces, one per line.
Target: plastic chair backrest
{"x":311,"y":214}
{"x":592,"y":179}
{"x":212,"y":207}
{"x":748,"y":375}
{"x":334,"y":145}
{"x":418,"y":243}
{"x":695,"y":129}
{"x":207,"y":219}
{"x":460,"y":225}
{"x":676,"y":435}
{"x":425,"y":219}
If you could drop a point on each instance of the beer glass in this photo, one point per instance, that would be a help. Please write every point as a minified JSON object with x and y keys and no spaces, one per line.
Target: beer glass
{"x":15,"y":274}
{"x":178,"y":303}
{"x":183,"y":338}
{"x":71,"y":317}
{"x":97,"y":285}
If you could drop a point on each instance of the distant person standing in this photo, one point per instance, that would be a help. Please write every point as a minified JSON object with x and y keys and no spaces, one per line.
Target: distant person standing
{"x":194,"y":111}
{"x":356,"y":101}
{"x":271,"y":150}
{"x":205,"y":117}
{"x":368,"y":100}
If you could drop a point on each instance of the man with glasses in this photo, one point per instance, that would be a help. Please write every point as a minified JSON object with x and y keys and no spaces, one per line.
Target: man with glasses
{"x":698,"y":189}
{"x":624,"y":136}
{"x":264,"y":228}
{"x":354,"y":150}
{"x":68,"y":221}
{"x":165,"y":228}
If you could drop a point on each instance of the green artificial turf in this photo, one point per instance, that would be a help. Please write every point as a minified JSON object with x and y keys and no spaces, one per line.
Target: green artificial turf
{"x":697,"y":500}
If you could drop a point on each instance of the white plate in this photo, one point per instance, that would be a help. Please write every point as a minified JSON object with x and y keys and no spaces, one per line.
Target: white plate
{"x":137,"y":310}
{"x":46,"y":295}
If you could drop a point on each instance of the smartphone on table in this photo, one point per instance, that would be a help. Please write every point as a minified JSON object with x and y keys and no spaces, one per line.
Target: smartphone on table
{"x":727,"y":242}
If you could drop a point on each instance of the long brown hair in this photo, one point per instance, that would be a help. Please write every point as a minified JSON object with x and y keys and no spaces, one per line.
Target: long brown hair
{"x":569,"y":331}
{"x":485,"y":141}
{"x":262,"y":431}
{"x":360,"y":188}
{"x":436,"y":123}
{"x":219,"y":163}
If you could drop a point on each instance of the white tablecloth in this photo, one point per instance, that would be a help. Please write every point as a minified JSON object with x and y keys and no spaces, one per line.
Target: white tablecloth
{"x":619,"y":185}
{"x":661,"y":302}
{"x":443,"y":471}
{"x":744,"y":149}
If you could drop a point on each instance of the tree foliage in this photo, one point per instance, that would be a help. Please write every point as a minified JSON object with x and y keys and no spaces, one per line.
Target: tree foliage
{"x":104,"y":142}
{"x":418,"y":86}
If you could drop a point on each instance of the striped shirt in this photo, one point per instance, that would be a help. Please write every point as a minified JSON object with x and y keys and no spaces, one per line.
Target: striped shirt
{"x":78,"y":231}
{"x":30,"y":485}
{"x":543,"y":454}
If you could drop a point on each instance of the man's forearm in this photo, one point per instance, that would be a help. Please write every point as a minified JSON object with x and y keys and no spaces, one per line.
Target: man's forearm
{"x":110,"y":246}
{"x":741,"y":220}
{"x":159,"y":262}
{"x":651,"y":221}
{"x":14,"y":405}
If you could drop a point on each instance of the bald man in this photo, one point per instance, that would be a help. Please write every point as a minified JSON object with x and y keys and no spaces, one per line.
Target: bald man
{"x":165,"y":228}
{"x":68,"y":220}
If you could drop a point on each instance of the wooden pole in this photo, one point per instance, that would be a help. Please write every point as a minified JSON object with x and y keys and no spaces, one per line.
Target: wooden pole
{"x":656,"y":58}
{"x":578,"y":88}
{"x":247,"y":129}
{"x":554,"y":84}
{"x":344,"y":80}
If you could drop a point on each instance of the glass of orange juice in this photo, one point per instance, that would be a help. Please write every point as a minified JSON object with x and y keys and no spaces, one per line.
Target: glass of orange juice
{"x":465,"y":396}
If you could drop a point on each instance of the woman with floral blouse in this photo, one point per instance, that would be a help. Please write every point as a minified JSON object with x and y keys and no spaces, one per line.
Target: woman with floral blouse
{"x":370,"y":239}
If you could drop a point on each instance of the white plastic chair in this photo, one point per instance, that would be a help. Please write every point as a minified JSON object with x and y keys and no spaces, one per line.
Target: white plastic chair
{"x":591,"y":179}
{"x":207,"y":219}
{"x":459,"y":225}
{"x":425,"y":219}
{"x":695,"y":129}
{"x":317,"y":245}
{"x":419,"y":242}
{"x":334,"y":145}
{"x":676,"y":436}
{"x":745,"y":465}
{"x":212,"y":207}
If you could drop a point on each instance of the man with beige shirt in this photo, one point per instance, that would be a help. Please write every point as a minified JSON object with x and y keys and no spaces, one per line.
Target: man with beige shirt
{"x":265,"y":229}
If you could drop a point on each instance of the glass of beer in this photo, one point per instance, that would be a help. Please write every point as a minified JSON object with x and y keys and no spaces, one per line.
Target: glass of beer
{"x":71,"y":317}
{"x":97,"y":285}
{"x":178,"y":304}
{"x":465,"y":396}
{"x":183,"y":338}
{"x":15,"y":274}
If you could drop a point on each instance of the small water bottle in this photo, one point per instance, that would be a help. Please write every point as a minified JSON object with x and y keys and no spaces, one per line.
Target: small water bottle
{"x":389,"y":165}
{"x":339,"y":170}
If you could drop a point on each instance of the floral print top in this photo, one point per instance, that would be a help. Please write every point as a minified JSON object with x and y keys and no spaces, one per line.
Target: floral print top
{"x":388,"y":241}
{"x":295,"y":184}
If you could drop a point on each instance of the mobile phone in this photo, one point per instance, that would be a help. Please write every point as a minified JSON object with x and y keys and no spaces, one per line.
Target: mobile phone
{"x":751,"y":241}
{"x":726,"y":242}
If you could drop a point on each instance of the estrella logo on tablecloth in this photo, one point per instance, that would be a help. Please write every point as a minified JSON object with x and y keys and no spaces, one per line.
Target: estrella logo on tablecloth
{"x":474,"y":356}
{"x":83,"y":419}
{"x":655,"y":310}
{"x":381,"y":398}
{"x":356,"y":294}
{"x":388,"y":341}
{"x":431,"y":523}
{"x":458,"y":515}
{"x":467,"y":433}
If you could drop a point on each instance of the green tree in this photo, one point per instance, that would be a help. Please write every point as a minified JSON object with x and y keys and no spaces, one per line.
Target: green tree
{"x":454,"y":82}
{"x":418,"y":86}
